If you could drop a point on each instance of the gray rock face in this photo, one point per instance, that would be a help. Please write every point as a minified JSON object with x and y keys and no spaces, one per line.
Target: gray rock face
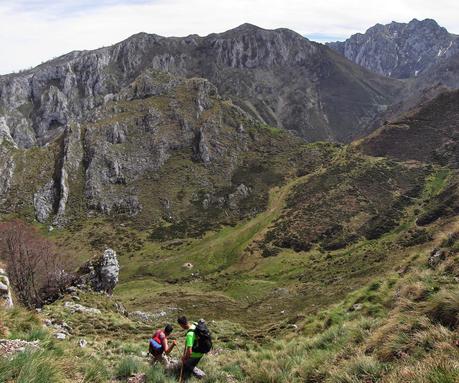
{"x":7,"y":166}
{"x":71,"y":162}
{"x":400,"y":50}
{"x":43,"y":201}
{"x":102,"y":273}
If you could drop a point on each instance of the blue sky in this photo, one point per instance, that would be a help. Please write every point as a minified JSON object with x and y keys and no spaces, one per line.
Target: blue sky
{"x":66,"y":8}
{"x":33,"y":31}
{"x":323,"y":37}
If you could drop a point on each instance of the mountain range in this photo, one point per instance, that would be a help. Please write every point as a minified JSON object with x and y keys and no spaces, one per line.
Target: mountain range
{"x":302,"y":197}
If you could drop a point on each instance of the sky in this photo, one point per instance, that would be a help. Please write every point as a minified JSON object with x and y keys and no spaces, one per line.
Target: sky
{"x":33,"y":31}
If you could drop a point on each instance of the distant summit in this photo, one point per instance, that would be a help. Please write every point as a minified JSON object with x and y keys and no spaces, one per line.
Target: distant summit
{"x":400,"y":50}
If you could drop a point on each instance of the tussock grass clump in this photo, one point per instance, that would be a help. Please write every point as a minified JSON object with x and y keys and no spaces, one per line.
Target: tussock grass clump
{"x":127,"y":366}
{"x":443,"y":308}
{"x":22,"y":324}
{"x":31,"y":367}
{"x":434,"y":369}
{"x":394,"y":339}
{"x":361,"y":368}
{"x":4,"y":332}
{"x":416,"y":291}
{"x":156,"y":374}
{"x":95,"y":372}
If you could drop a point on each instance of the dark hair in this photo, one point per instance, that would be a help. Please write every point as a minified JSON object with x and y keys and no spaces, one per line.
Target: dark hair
{"x":182,"y":320}
{"x":168,"y":329}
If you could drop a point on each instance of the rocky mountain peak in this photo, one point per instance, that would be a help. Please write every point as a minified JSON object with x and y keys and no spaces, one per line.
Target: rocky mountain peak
{"x":400,"y":50}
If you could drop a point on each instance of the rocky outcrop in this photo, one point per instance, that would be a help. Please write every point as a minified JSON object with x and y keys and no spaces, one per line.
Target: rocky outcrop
{"x":44,"y":200}
{"x":69,"y":170}
{"x":6,"y":299}
{"x":7,"y":166}
{"x":239,"y":194}
{"x":400,"y":50}
{"x":101,"y":274}
{"x":147,"y":317}
{"x":77,"y":308}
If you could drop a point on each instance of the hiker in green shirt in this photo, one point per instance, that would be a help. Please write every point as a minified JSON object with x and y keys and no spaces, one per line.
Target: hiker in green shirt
{"x":190,"y":358}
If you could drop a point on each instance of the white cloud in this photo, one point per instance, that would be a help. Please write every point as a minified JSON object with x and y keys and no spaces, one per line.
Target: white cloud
{"x":32,"y":32}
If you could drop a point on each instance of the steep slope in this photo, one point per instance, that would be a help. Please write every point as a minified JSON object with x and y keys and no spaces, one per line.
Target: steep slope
{"x":277,"y":76}
{"x":428,"y":133}
{"x":400,"y":50}
{"x":165,"y":151}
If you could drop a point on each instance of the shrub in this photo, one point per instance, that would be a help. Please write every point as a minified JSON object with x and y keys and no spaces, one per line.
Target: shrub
{"x":431,"y":215}
{"x":379,"y":225}
{"x":35,"y":270}
{"x":415,"y":237}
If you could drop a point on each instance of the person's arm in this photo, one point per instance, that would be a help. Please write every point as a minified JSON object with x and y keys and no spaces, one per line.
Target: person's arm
{"x":188,"y":346}
{"x":166,"y":347}
{"x":187,"y":354}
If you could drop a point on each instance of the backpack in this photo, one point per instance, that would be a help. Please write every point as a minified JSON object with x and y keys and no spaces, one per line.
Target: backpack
{"x":204,"y":338}
{"x":155,"y":343}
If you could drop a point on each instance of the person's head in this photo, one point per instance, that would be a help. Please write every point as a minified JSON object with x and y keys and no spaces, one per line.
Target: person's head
{"x":168,"y":329}
{"x":183,"y":322}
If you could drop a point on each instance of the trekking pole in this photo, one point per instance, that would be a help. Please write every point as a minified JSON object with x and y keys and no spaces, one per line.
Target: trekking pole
{"x":181,"y":369}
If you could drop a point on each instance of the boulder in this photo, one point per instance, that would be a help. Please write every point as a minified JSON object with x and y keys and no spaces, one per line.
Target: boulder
{"x":198,"y":373}
{"x":60,"y":336}
{"x":101,"y":274}
{"x":6,"y":299}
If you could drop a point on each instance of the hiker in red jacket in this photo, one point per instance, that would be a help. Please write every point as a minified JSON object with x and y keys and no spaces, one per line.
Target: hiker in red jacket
{"x":159,"y":346}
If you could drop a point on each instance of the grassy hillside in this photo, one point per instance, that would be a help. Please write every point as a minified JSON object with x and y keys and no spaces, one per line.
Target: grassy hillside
{"x":397,"y":327}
